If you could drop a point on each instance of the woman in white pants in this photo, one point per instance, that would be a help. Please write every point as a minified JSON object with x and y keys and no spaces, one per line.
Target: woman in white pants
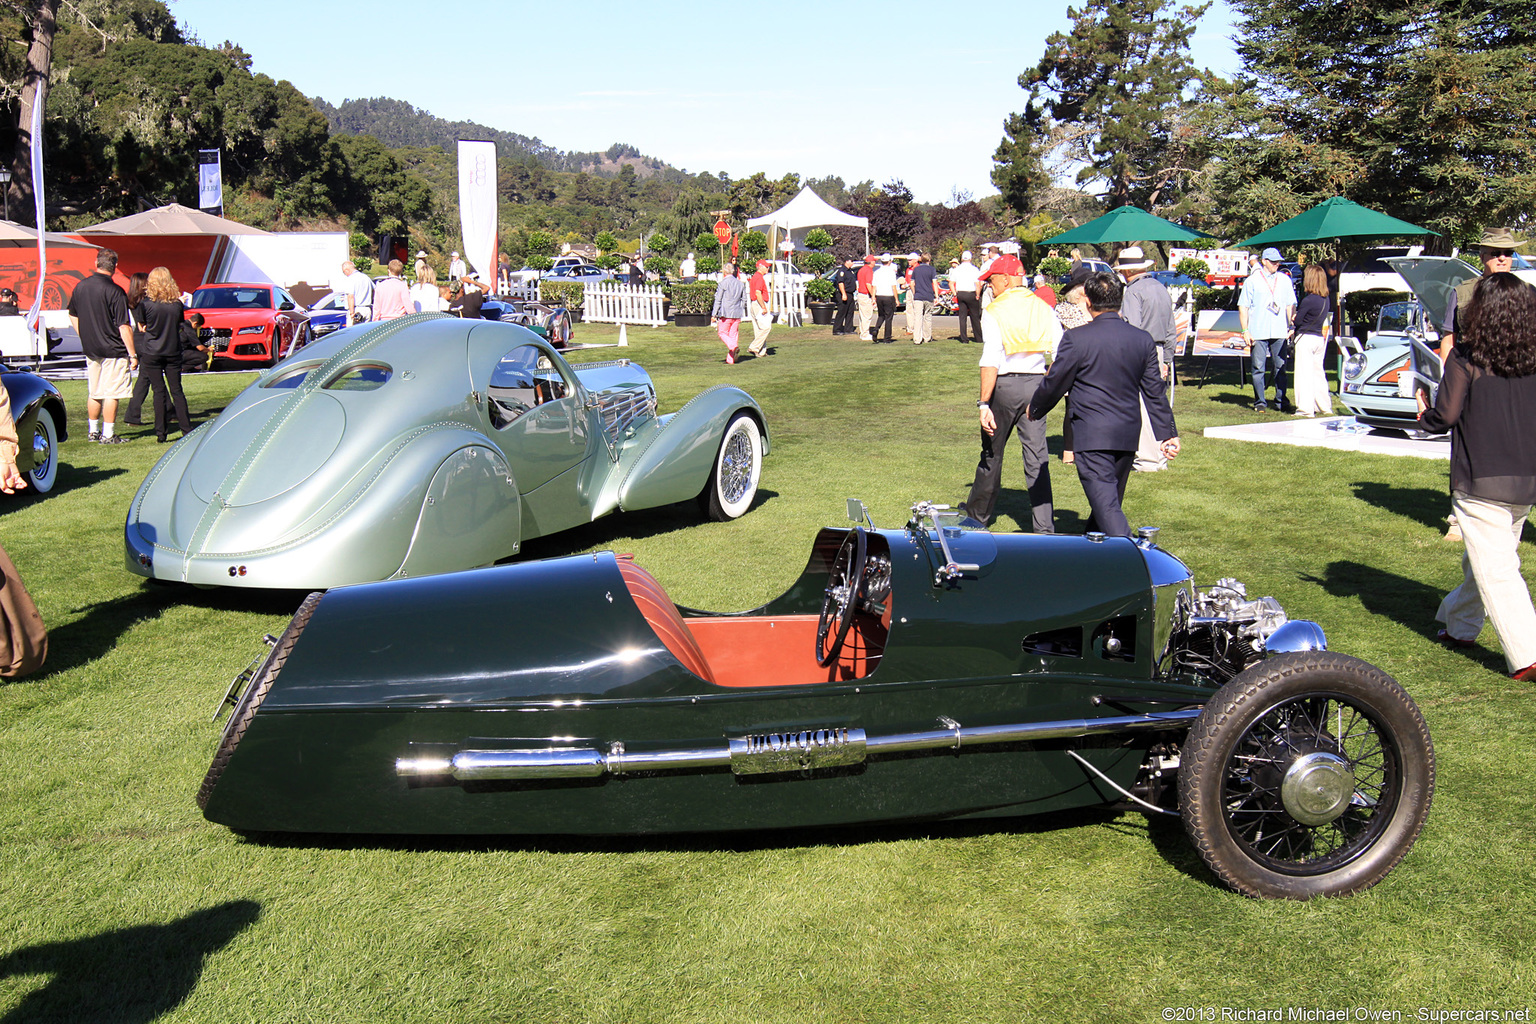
{"x":1311,"y":333}
{"x":1487,"y":399}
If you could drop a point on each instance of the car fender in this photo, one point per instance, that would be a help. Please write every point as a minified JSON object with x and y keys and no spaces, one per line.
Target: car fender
{"x":29,"y":393}
{"x":675,"y":464}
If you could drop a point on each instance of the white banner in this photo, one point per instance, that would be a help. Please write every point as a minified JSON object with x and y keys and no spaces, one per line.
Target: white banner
{"x":210,"y":180}
{"x":477,"y":207}
{"x":33,"y":318}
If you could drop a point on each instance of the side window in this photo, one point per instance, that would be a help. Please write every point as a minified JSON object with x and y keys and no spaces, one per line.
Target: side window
{"x":525,"y":378}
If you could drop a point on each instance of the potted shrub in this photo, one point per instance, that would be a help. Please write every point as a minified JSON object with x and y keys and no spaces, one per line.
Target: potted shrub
{"x":691,"y":303}
{"x":570,"y":294}
{"x":818,"y":296}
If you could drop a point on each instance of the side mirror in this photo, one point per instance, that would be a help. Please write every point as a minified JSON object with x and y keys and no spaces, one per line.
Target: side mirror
{"x":858,"y":513}
{"x":285,"y":305}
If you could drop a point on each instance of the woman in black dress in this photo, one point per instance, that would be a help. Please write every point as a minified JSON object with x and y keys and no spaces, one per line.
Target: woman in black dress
{"x":1487,"y":400}
{"x":160,"y":351}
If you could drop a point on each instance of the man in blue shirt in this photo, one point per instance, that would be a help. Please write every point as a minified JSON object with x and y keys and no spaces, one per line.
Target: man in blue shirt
{"x":924,"y":294}
{"x":1266,"y":307}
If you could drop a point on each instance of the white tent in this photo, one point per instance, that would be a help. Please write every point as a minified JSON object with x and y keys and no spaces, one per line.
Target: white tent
{"x":804,"y":212}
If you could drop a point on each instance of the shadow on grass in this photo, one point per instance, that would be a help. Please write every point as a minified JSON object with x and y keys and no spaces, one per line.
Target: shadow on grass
{"x":98,"y":629}
{"x":1426,"y":505}
{"x":746,"y":841}
{"x":1404,"y":601}
{"x":130,"y":974}
{"x":628,"y":526}
{"x":71,"y":478}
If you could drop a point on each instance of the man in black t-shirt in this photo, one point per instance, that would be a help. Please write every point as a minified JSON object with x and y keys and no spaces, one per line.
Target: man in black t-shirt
{"x":98,"y":310}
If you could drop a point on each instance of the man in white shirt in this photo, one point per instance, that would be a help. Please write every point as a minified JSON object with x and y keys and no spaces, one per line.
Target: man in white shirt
{"x":456,"y":267}
{"x":883,"y":284}
{"x":1266,"y":306}
{"x":358,"y":291}
{"x":1020,"y":335}
{"x":688,"y":270}
{"x":962,"y":281}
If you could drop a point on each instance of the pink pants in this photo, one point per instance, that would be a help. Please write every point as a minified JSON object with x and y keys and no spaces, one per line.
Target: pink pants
{"x":728,"y":331}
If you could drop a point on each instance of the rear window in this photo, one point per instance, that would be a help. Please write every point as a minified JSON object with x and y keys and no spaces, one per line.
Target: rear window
{"x":365,"y":377}
{"x":291,"y":378}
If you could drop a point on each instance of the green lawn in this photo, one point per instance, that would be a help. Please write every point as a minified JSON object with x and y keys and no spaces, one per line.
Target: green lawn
{"x":119,"y":902}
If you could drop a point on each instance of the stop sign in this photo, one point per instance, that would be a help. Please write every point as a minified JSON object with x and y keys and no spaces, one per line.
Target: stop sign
{"x":722,"y":231}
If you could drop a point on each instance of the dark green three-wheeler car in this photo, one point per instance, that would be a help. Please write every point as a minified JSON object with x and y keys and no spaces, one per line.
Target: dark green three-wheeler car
{"x":925,"y":672}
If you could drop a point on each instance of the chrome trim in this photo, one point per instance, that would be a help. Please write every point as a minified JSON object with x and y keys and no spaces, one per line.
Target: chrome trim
{"x":1317,"y":788}
{"x":762,"y":753}
{"x":805,"y":750}
{"x":1296,"y":635}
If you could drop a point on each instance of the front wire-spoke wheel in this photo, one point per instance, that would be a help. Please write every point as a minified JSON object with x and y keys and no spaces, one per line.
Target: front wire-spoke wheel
{"x":1309,"y":774}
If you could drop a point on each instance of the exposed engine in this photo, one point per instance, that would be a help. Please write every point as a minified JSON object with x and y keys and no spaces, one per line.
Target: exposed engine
{"x":1223,"y":631}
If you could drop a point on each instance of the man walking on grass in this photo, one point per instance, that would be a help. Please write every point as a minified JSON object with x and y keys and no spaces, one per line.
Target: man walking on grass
{"x":1019,"y":336}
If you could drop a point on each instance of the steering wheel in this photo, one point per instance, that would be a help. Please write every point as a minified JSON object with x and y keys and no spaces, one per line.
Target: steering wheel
{"x":842,"y":600}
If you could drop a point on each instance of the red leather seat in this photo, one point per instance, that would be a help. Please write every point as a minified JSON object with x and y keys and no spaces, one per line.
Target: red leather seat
{"x":664,"y":618}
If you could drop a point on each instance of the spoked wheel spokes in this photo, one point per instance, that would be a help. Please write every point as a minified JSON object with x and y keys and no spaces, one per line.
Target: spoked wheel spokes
{"x":1310,"y":784}
{"x":842,"y":596}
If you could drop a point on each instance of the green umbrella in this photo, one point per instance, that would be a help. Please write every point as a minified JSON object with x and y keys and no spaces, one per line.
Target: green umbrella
{"x":1127,"y":224}
{"x":1335,"y":218}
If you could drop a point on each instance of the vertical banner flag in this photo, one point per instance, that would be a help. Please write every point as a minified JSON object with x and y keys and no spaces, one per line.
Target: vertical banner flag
{"x":34,"y":318}
{"x":477,"y":207}
{"x":210,"y":180}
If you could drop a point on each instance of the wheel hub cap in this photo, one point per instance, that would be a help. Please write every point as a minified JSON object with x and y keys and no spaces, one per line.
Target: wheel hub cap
{"x":1317,"y":787}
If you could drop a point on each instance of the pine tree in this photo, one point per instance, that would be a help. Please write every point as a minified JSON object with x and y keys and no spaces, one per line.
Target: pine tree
{"x":1109,"y":98}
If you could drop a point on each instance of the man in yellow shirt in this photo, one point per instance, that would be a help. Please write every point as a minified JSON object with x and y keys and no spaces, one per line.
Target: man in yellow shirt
{"x":1019,"y":335}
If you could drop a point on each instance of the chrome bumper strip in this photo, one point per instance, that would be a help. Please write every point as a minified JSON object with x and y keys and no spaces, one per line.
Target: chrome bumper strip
{"x":801,"y":750}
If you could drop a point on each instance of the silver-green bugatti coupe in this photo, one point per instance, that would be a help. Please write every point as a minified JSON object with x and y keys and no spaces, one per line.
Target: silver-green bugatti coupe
{"x":424,"y":445}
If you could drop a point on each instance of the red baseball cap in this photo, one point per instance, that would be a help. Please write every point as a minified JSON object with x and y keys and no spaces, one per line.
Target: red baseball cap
{"x":870,"y":257}
{"x":1009,"y":265}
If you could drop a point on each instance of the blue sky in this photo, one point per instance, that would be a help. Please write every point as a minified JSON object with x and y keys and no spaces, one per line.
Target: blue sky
{"x":899,"y":89}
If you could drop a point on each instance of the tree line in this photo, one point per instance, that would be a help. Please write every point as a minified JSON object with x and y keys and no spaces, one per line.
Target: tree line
{"x":1423,"y":109}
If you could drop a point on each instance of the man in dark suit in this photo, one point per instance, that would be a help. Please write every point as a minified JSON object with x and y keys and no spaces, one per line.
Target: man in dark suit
{"x":1106,"y":365}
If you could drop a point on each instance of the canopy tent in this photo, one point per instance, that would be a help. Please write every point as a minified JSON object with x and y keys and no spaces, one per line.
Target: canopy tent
{"x":191,"y":244}
{"x":1334,"y":218}
{"x":1126,"y":224}
{"x":804,"y":212}
{"x":174,"y":219}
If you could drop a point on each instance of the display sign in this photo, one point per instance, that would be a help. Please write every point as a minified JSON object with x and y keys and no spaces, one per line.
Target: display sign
{"x":210,"y":180}
{"x":722,"y":232}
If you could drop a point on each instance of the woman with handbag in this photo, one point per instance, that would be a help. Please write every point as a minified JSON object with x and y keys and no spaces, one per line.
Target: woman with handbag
{"x":1487,"y":400}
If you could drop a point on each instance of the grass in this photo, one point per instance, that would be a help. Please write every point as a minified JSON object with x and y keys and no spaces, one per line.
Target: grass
{"x":119,"y":902}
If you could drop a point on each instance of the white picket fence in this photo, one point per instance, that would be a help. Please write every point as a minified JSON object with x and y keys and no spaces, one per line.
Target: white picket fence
{"x":522,"y":291}
{"x":611,"y":302}
{"x":789,"y":300}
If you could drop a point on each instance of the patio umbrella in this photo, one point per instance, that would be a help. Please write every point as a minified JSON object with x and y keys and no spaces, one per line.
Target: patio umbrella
{"x":1126,"y":224}
{"x":174,"y":219}
{"x":19,"y":236}
{"x":1335,"y":218}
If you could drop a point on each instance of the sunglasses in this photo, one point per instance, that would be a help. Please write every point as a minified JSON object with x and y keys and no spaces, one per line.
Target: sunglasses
{"x":1498,"y":254}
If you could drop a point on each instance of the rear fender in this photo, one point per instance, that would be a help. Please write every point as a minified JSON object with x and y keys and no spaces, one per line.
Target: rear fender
{"x":676,"y":463}
{"x":471,"y":515}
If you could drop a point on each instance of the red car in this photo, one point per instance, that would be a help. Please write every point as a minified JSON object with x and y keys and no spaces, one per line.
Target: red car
{"x":251,"y":325}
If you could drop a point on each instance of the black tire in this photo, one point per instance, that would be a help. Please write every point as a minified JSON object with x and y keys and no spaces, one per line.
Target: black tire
{"x":275,"y":356}
{"x":45,"y":452}
{"x":255,"y":693}
{"x":1309,"y":774}
{"x":738,"y":468}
